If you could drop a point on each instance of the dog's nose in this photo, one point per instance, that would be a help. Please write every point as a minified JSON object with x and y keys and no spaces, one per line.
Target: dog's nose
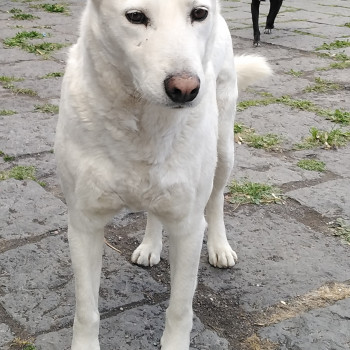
{"x":182,"y":88}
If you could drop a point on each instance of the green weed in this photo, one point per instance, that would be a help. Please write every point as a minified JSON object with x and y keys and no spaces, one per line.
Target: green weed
{"x":340,"y":65}
{"x":23,"y":91}
{"x":337,"y":116}
{"x":43,"y":48}
{"x":326,"y":139}
{"x":19,"y":172}
{"x":52,"y":75}
{"x":56,"y":8}
{"x":6,"y":157}
{"x":20,"y":15}
{"x":310,"y":34}
{"x":21,"y":40}
{"x":7,"y":82}
{"x":47,"y":108}
{"x":322,"y":86}
{"x":341,"y":229}
{"x":312,"y":165}
{"x":295,"y":73}
{"x":253,"y":103}
{"x":4,"y":112}
{"x":338,"y":44}
{"x":343,"y":61}
{"x":249,"y":137}
{"x":15,"y":10}
{"x":255,"y":193}
{"x":23,"y":344}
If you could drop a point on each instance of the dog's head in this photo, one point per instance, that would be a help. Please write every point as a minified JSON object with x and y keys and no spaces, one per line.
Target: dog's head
{"x":161,"y":47}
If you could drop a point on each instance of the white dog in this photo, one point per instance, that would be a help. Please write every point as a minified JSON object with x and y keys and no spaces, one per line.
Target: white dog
{"x":146,"y":123}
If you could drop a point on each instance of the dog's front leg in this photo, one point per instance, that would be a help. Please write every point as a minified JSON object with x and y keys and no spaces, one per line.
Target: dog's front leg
{"x":85,"y":235}
{"x":185,"y":241}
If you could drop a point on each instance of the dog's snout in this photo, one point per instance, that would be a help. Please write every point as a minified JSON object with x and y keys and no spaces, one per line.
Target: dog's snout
{"x":182,"y":88}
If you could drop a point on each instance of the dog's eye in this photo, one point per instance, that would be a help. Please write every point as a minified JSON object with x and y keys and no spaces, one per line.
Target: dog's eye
{"x":136,"y":17}
{"x":199,"y":14}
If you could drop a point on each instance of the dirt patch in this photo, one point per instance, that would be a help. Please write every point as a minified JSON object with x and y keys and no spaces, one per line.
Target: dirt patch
{"x":255,"y":343}
{"x":322,"y":297}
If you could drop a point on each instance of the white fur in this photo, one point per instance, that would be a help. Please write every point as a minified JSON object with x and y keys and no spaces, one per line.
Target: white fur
{"x":121,"y":142}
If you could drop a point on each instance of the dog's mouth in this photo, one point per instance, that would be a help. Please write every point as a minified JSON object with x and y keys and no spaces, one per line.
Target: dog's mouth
{"x":181,"y":106}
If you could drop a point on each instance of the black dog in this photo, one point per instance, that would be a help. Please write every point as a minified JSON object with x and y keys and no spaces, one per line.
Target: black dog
{"x":275,"y":6}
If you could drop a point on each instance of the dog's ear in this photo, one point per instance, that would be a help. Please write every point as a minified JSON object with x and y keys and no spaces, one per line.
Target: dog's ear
{"x":250,"y":69}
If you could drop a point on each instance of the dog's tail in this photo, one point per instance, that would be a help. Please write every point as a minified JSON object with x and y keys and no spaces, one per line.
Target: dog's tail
{"x":250,"y":69}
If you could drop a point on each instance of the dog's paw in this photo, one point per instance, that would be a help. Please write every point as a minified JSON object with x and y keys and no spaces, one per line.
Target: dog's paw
{"x":146,"y":255}
{"x":222,"y":256}
{"x":267,"y":31}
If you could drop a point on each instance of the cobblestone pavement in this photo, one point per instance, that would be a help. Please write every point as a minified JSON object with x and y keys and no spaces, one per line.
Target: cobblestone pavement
{"x":291,"y":287}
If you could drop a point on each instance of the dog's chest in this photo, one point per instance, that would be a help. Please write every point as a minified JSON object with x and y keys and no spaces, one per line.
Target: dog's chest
{"x":158,"y":174}
{"x":163,"y":188}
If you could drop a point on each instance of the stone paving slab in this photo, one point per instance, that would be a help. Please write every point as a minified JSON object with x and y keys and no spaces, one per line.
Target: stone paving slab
{"x":331,"y":199}
{"x":321,"y":329}
{"x":283,"y":118}
{"x":293,"y":259}
{"x":5,"y":334}
{"x":38,"y":136}
{"x":27,"y":210}
{"x":40,"y":295}
{"x":257,"y":166}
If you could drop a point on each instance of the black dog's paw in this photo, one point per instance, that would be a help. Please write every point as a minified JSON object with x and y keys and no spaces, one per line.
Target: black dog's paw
{"x":256,"y":43}
{"x":267,"y":31}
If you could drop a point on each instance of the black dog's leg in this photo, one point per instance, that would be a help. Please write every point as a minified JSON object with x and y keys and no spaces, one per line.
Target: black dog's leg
{"x":275,"y":6}
{"x":255,"y":18}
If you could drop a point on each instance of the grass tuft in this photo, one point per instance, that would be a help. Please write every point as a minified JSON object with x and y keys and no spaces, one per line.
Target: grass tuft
{"x":326,"y":139}
{"x":4,"y":112}
{"x":47,"y":108}
{"x":295,"y":73}
{"x":337,"y":44}
{"x":338,"y":116}
{"x":20,"y":15}
{"x":19,"y":172}
{"x":255,"y":193}
{"x":6,"y":157}
{"x":23,"y":344}
{"x":341,"y":229}
{"x":248,"y":136}
{"x":55,"y":8}
{"x":322,"y":86}
{"x":21,"y":40}
{"x":52,"y":75}
{"x":312,"y":165}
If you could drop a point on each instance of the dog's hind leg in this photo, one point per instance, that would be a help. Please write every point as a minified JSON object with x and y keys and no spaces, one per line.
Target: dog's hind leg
{"x":85,"y":235}
{"x":275,"y":6}
{"x":220,"y":253}
{"x":148,"y":252}
{"x":255,"y":18}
